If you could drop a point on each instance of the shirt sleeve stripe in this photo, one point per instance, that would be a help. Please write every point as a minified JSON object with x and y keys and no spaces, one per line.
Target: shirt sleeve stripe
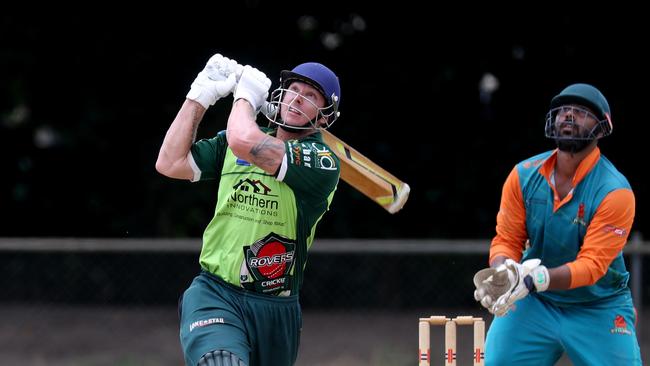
{"x":195,"y":168}
{"x":283,"y":168}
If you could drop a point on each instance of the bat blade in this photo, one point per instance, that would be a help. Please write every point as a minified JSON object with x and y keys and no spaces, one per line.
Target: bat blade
{"x":367,"y":177}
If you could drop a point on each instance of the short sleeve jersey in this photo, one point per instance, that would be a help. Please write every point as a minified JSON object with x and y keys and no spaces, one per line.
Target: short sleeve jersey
{"x":263,"y":224}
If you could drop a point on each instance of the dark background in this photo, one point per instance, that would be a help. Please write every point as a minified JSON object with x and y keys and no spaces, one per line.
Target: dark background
{"x":85,"y":101}
{"x":88,"y":92}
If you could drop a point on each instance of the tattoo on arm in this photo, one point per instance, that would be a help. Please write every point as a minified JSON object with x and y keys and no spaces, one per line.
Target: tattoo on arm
{"x":195,"y":117}
{"x":267,"y":153}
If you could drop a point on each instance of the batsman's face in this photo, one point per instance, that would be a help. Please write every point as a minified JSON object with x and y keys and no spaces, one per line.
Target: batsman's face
{"x":574,"y":121}
{"x":300,"y":104}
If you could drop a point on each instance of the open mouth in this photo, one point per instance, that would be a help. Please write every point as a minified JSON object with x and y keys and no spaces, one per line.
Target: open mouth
{"x":567,"y":129}
{"x":566,"y":132}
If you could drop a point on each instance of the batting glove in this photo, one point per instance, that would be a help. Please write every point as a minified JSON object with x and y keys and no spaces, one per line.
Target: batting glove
{"x":253,"y":86}
{"x":217,"y":79}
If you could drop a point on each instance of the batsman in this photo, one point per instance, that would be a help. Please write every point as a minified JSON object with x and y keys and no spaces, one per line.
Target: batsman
{"x":557,"y":281}
{"x":273,"y":185}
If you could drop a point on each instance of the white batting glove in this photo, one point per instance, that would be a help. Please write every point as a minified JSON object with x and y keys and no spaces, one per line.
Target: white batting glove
{"x":253,"y":86}
{"x":521,"y":283}
{"x":220,"y":68}
{"x":217,"y":79}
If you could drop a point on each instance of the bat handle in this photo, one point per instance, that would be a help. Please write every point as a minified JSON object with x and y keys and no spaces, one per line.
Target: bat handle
{"x":269,"y":110}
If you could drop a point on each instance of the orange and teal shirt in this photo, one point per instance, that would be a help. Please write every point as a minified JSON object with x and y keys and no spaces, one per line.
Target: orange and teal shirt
{"x":587,"y":229}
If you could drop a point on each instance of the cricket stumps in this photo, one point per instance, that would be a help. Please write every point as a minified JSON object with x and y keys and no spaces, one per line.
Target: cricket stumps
{"x":450,"y":338}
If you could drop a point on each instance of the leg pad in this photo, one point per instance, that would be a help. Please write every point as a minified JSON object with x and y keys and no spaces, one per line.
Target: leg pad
{"x":220,"y":358}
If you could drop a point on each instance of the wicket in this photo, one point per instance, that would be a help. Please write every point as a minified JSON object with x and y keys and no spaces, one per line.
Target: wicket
{"x":450,"y":338}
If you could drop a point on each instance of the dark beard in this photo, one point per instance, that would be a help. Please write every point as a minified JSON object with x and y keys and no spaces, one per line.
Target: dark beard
{"x":572,"y":146}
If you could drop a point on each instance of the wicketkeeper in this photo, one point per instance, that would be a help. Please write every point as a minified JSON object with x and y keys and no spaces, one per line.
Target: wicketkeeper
{"x":557,"y":280}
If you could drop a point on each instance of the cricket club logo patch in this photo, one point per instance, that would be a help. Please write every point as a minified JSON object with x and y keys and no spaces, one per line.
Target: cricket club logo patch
{"x":620,"y":326}
{"x":267,"y":265}
{"x":580,"y":216}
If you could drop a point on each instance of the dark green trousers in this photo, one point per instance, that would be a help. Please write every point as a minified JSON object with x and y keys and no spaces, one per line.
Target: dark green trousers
{"x":262,"y":330}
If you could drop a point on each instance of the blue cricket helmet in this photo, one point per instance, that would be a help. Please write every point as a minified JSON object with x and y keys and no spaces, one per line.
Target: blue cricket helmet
{"x":318,"y":76}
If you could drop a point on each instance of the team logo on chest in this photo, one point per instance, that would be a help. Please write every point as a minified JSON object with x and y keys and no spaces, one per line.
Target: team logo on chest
{"x":252,"y":195}
{"x":269,"y":262}
{"x":580,"y":216}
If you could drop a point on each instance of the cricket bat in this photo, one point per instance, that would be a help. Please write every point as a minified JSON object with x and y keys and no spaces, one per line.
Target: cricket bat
{"x":357,"y":170}
{"x":362,"y":173}
{"x":367,"y":177}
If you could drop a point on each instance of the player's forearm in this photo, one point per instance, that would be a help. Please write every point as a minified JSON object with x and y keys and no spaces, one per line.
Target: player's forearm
{"x":560,"y":278}
{"x":248,"y":142}
{"x":242,"y":127}
{"x":172,"y":158}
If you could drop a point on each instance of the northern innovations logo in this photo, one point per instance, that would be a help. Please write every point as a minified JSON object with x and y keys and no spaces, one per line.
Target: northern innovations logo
{"x":252,"y":193}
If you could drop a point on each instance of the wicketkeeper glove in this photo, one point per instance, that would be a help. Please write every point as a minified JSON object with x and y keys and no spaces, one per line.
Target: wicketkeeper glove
{"x":253,"y":86}
{"x":497,"y":289}
{"x":538,"y":281}
{"x":217,"y":79}
{"x":490,"y":285}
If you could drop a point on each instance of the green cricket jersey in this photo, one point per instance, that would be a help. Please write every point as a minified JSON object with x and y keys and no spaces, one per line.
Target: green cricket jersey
{"x":262,"y":224}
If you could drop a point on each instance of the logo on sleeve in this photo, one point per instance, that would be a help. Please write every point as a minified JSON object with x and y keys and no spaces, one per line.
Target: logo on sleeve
{"x":205,"y":322}
{"x":312,"y":155}
{"x":324,"y":159}
{"x":618,"y":231}
{"x":296,"y":154}
{"x":269,"y":262}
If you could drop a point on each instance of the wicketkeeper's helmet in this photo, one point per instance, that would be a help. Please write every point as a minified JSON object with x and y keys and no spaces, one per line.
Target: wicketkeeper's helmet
{"x":585,"y":95}
{"x":571,"y":102}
